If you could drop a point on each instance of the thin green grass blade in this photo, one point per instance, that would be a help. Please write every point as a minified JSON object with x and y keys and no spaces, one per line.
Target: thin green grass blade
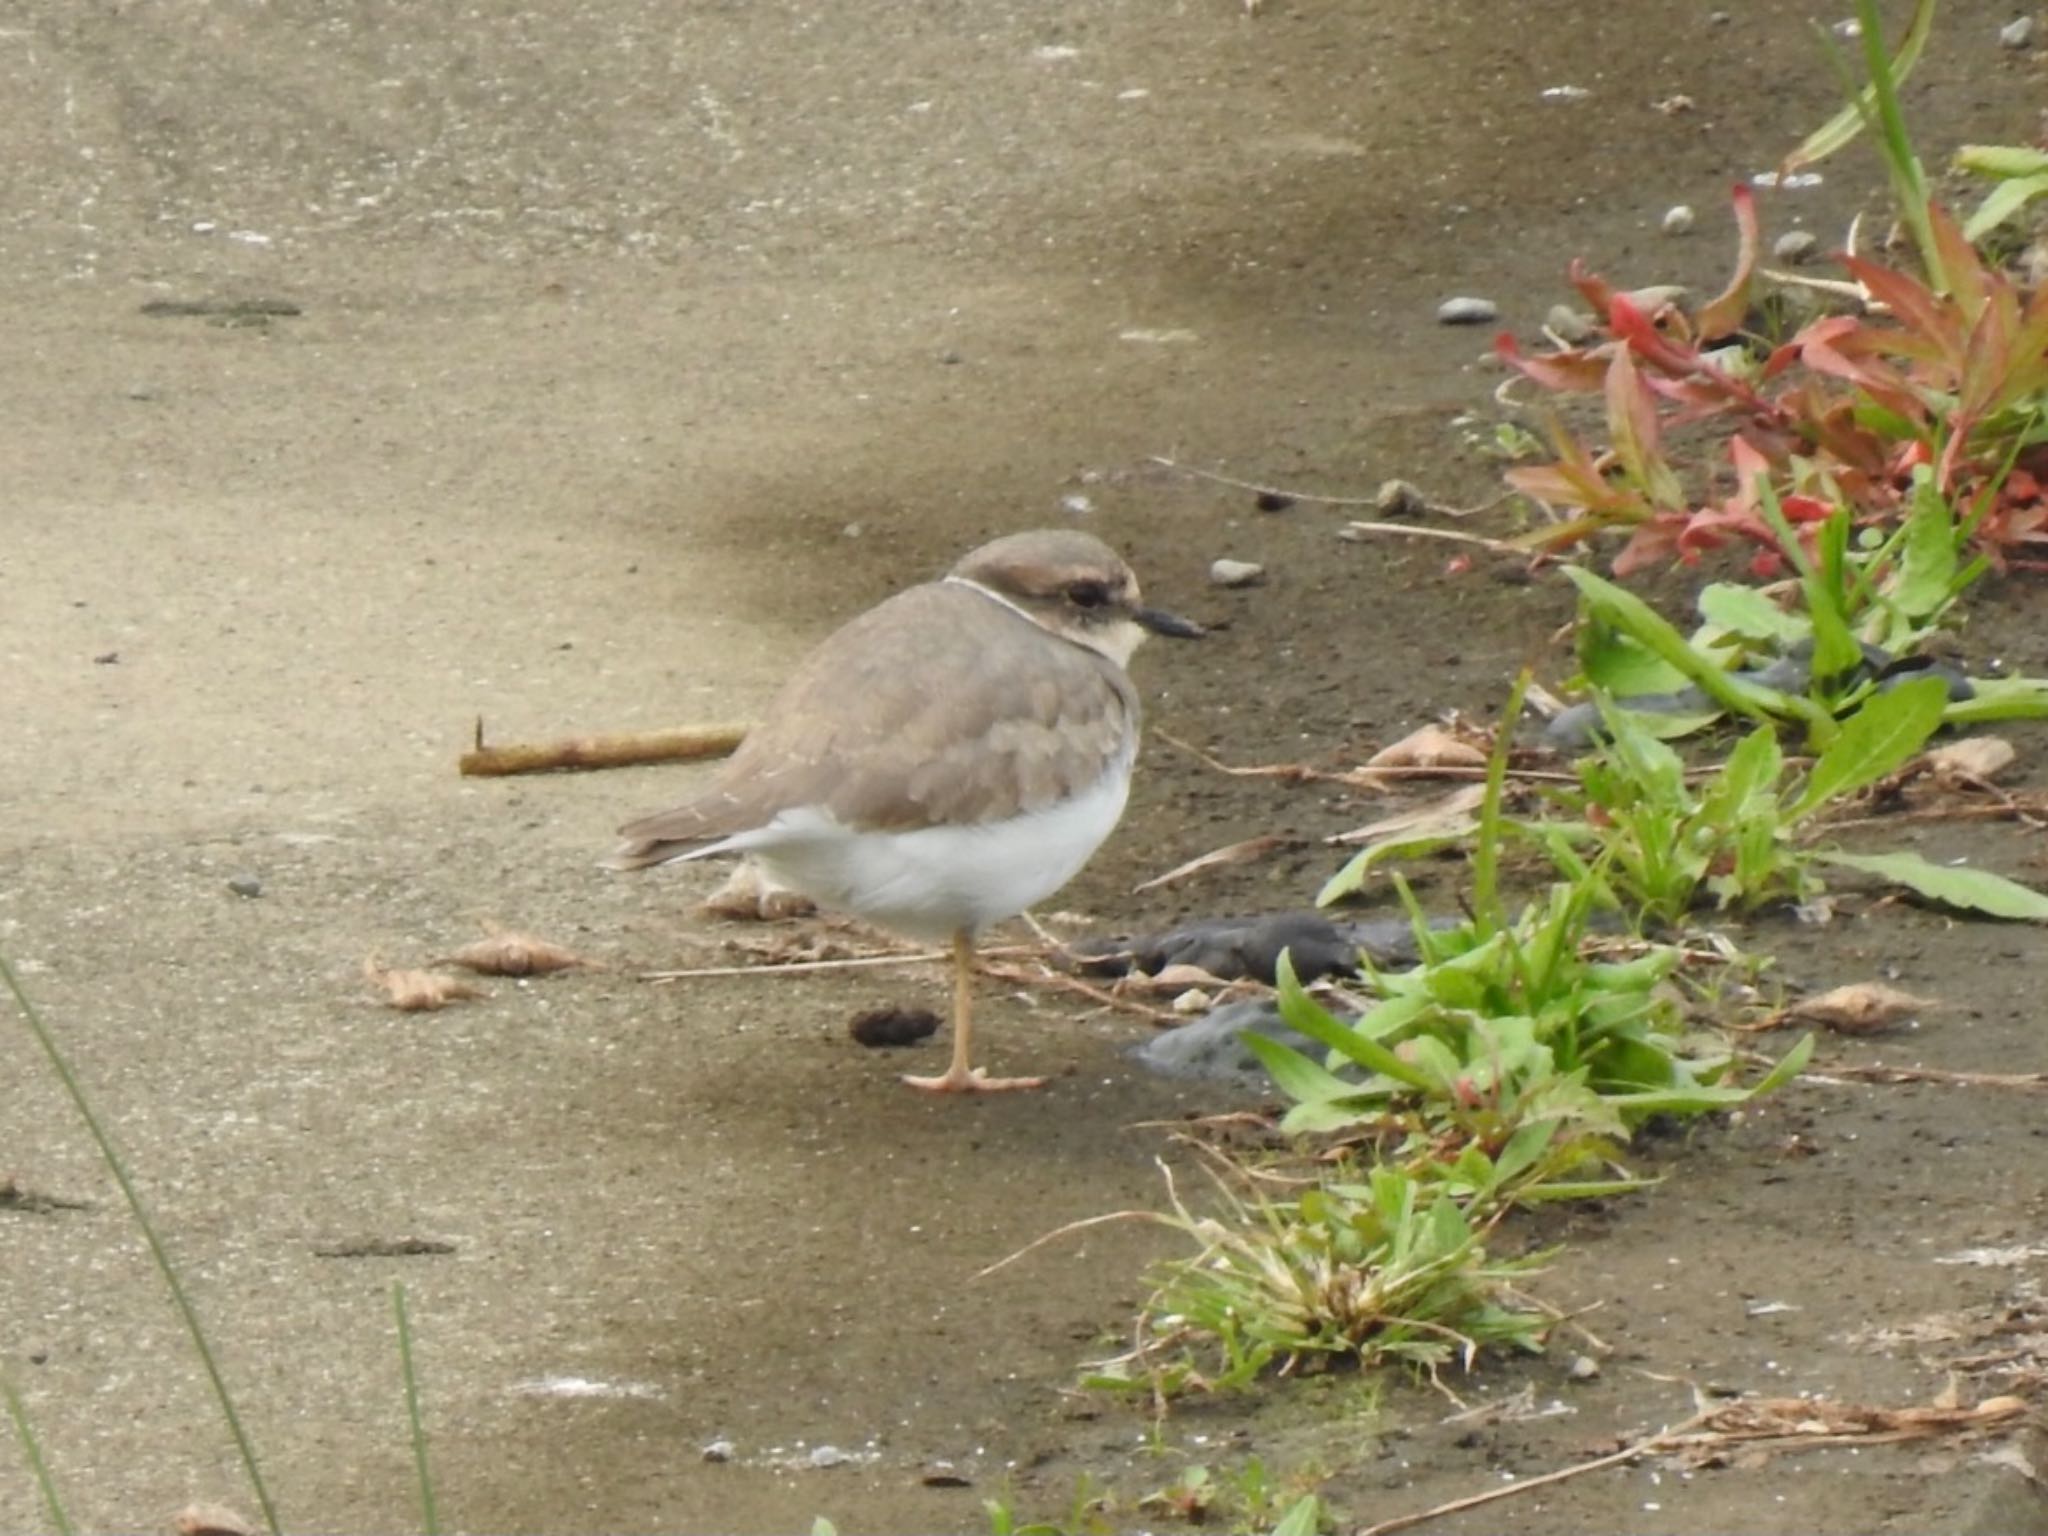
{"x":430,"y":1519}
{"x":119,"y":1169}
{"x":34,"y":1451}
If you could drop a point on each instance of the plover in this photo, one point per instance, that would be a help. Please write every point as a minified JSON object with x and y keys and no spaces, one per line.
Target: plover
{"x":944,"y":761}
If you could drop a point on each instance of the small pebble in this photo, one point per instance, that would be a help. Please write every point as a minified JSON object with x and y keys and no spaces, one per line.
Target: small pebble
{"x":1273,"y":501}
{"x":828,"y":1456}
{"x":1397,"y":498}
{"x":1191,"y":1002}
{"x":1467,"y":311}
{"x":1582,"y":1368}
{"x":107,"y":659}
{"x":1719,"y":18}
{"x":1679,"y":220}
{"x":1573,"y":327}
{"x":949,"y":357}
{"x":1236,"y":573}
{"x":943,"y":1474}
{"x":2016,"y":33}
{"x":1795,"y":246}
{"x":718,"y":1450}
{"x":246,"y":885}
{"x":1653,"y":298}
{"x":1077,"y":505}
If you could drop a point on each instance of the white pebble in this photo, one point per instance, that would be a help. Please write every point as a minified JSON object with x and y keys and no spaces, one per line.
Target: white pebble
{"x":1679,"y":220}
{"x":1571,"y":326}
{"x":1795,"y":246}
{"x":828,"y":1456}
{"x":718,"y":1450}
{"x":2017,"y":33}
{"x":1467,"y":311}
{"x":1076,"y":505}
{"x":1192,"y":1001}
{"x":1235,"y":573}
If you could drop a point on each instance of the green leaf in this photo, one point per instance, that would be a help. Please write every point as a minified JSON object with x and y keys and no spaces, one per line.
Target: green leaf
{"x":1843,"y":127}
{"x":1889,"y":728}
{"x":1303,"y":1080}
{"x":1751,"y":772}
{"x":2000,"y":698}
{"x":1611,"y":661}
{"x":1748,"y":613}
{"x":1359,"y":867}
{"x":1974,"y":890}
{"x":2002,"y":202}
{"x":1926,"y":576}
{"x":2002,"y":160}
{"x":1303,"y":1013}
{"x":1624,"y":611}
{"x":1304,"y":1517}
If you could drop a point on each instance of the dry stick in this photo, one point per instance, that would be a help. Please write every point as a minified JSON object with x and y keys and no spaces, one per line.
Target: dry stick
{"x":1415,"y":531}
{"x":1075,"y":984}
{"x":841,"y":963}
{"x":1265,"y":490}
{"x":1310,"y":496}
{"x":2026,"y":1080}
{"x":1366,"y":777}
{"x":1662,"y":1440}
{"x":617,"y":750}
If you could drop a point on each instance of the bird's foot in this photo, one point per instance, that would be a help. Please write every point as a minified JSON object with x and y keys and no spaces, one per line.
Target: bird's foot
{"x":973,"y":1080}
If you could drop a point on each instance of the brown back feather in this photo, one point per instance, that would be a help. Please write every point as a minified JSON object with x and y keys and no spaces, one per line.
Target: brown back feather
{"x":905,"y":718}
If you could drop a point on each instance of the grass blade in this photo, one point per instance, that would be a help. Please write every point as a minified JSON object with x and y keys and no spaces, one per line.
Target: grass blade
{"x":34,"y":1452}
{"x":157,"y":1251}
{"x":430,"y":1519}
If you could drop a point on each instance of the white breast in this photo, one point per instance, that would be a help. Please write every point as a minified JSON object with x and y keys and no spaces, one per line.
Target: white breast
{"x":931,"y":882}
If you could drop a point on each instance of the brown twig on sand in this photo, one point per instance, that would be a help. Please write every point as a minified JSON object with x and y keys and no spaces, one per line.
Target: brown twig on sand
{"x":1263,"y":490}
{"x":617,"y":750}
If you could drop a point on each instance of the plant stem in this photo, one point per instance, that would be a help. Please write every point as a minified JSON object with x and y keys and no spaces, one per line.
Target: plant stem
{"x":428,"y":1515}
{"x":34,"y":1453}
{"x":157,"y":1251}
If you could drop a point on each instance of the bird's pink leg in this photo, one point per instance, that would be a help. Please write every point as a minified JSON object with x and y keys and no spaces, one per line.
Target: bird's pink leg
{"x":960,"y":1077}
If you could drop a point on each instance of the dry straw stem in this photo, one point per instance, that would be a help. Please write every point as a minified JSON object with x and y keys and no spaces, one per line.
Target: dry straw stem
{"x":1759,"y":1425}
{"x":616,"y":750}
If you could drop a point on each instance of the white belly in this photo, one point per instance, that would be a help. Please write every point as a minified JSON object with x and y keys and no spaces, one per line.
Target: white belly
{"x":932,"y":882}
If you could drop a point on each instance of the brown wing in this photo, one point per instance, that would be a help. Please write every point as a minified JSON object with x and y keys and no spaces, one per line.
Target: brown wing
{"x":939,"y":705}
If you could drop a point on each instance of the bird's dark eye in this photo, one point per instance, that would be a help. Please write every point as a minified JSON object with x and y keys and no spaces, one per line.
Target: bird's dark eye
{"x":1088,"y":594}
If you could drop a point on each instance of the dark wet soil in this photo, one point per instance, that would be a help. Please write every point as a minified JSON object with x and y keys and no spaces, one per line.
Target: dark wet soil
{"x":596,"y":360}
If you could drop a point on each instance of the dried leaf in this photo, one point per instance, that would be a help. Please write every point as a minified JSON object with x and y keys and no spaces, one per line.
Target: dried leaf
{"x":1860,"y":1008}
{"x":1433,"y":746}
{"x":418,"y":991}
{"x":1973,"y":760}
{"x":505,"y":953}
{"x":1450,"y":816}
{"x":1246,"y":852}
{"x":748,"y":895}
{"x":211,"y":1520}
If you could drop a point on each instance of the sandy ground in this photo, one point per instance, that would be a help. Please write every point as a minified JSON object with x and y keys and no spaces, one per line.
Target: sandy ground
{"x":633,"y":347}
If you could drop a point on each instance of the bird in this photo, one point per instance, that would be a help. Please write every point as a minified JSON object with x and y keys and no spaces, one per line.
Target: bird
{"x":943,"y":761}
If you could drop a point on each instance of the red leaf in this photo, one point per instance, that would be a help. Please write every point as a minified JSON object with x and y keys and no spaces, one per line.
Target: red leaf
{"x":1723,"y":314}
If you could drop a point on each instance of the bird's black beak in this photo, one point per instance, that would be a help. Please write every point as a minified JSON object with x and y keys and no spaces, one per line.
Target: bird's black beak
{"x":1160,"y":622}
